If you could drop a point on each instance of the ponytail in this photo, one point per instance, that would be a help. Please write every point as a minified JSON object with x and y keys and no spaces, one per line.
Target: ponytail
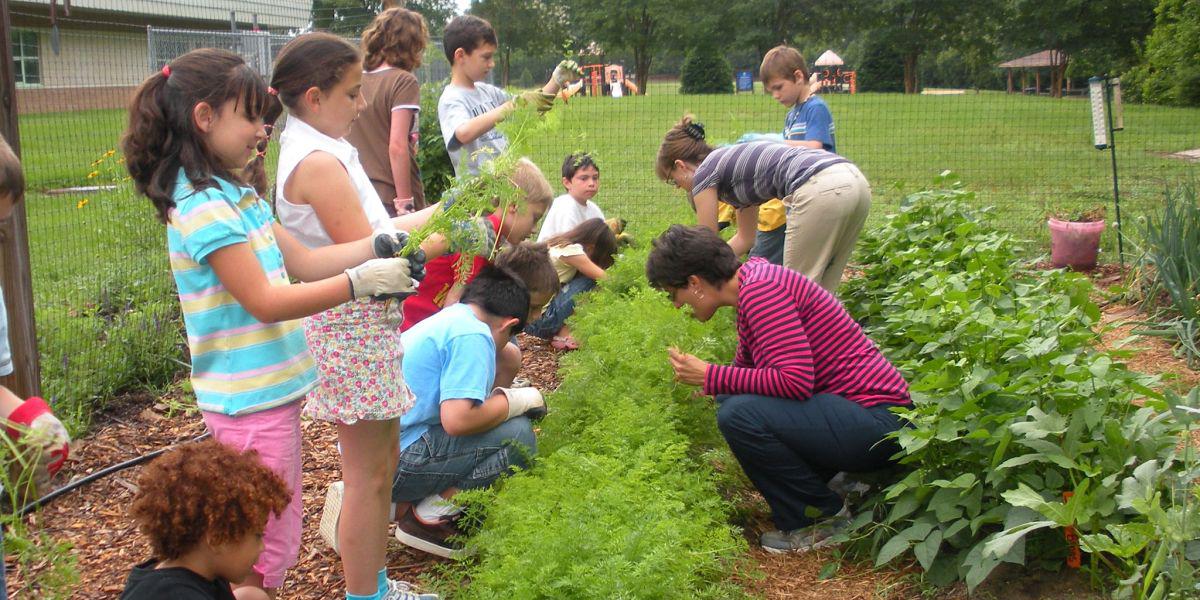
{"x":162,"y":138}
{"x":685,"y":141}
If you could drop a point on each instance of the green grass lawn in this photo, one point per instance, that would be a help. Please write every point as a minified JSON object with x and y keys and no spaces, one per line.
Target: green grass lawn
{"x":103,"y":290}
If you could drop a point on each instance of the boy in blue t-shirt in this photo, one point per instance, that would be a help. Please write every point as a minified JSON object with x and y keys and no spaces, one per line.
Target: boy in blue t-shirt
{"x":460,"y":433}
{"x":809,"y":122}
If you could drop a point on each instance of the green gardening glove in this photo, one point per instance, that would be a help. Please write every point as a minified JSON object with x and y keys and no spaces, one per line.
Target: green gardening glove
{"x":566,"y":72}
{"x":538,"y":99}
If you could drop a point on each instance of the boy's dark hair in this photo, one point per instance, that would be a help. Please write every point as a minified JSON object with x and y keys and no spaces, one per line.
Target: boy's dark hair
{"x":162,"y":138}
{"x":499,"y":292}
{"x":592,"y":232}
{"x":467,"y":32}
{"x":12,"y":178}
{"x":684,"y":251}
{"x":530,"y":262}
{"x":579,"y":160}
{"x":205,"y":492}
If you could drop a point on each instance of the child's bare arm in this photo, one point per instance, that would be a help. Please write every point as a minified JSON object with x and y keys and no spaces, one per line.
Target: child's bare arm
{"x":471,"y":129}
{"x":243,"y":277}
{"x":400,"y":155}
{"x":316,"y":264}
{"x":321,"y":181}
{"x":747,"y":230}
{"x":585,"y":266}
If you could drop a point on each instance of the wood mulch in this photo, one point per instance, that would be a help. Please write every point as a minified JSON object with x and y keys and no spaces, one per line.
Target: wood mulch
{"x":106,"y":544}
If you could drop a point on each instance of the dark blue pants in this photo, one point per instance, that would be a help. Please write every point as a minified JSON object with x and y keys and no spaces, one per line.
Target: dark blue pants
{"x":559,"y":308}
{"x":790,"y":449}
{"x":769,"y":244}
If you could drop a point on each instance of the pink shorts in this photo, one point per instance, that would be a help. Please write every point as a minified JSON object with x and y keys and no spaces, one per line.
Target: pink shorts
{"x":275,"y":434}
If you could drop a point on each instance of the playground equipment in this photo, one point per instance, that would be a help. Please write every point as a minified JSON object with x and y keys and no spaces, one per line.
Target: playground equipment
{"x":833,"y":78}
{"x":607,"y":80}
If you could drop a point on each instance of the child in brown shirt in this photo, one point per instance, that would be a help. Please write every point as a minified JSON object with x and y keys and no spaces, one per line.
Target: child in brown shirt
{"x":386,"y":132}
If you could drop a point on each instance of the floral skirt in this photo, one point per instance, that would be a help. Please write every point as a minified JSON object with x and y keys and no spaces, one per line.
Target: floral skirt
{"x":357,"y":349}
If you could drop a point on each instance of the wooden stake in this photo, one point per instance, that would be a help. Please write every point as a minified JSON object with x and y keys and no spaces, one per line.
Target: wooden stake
{"x":14,"y":242}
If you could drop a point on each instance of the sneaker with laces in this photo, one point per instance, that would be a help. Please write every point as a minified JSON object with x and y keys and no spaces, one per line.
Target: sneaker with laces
{"x":331,"y":514}
{"x":815,"y":536}
{"x":434,"y":538}
{"x":402,"y":590}
{"x":848,"y":487}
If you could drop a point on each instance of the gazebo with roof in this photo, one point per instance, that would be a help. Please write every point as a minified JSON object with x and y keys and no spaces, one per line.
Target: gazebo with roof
{"x":1055,"y":60}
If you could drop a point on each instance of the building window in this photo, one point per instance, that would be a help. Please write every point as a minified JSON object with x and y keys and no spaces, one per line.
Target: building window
{"x":26,"y":63}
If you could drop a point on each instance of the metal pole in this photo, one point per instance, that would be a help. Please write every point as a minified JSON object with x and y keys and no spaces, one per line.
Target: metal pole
{"x":14,"y":242}
{"x":1112,"y":148}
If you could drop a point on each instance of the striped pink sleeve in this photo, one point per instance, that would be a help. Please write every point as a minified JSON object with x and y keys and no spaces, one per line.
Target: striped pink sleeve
{"x":772,"y":336}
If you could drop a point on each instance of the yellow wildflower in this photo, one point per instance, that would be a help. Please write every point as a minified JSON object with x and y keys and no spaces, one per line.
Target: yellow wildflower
{"x":93,"y":174}
{"x":82,"y":203}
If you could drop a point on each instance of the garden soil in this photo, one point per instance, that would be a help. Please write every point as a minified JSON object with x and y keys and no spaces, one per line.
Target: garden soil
{"x":106,"y":544}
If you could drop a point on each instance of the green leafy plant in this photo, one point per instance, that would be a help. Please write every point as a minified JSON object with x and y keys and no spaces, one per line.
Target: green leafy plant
{"x":1077,"y":214}
{"x":1015,"y":411}
{"x":705,"y":71}
{"x":623,"y":501}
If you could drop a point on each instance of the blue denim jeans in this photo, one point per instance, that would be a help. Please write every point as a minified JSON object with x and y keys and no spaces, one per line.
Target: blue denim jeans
{"x":439,"y":461}
{"x":790,"y":449}
{"x":561,"y":307}
{"x":769,"y":244}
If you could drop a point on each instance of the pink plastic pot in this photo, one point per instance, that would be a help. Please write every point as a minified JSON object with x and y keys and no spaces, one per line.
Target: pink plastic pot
{"x":1075,"y":245}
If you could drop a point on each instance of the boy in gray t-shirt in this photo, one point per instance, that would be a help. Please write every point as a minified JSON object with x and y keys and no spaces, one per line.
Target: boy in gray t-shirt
{"x":470,"y":109}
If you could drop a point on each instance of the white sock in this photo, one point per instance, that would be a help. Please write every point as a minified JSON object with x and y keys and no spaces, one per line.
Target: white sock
{"x":436,"y":508}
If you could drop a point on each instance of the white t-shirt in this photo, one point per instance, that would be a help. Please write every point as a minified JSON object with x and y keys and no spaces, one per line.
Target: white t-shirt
{"x":459,"y":105}
{"x":565,"y":214}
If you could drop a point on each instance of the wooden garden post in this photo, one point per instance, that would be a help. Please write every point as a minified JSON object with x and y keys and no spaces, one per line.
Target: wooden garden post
{"x":15,"y":278}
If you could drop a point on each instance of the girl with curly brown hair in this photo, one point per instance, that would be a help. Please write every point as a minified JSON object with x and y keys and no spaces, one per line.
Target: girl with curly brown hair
{"x":386,"y":136}
{"x":205,"y":527}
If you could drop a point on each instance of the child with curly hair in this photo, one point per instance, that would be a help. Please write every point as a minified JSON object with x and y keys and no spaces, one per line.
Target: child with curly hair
{"x":206,"y":528}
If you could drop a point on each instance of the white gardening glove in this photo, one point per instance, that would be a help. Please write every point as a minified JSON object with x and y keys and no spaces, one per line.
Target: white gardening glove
{"x":388,"y":277}
{"x":566,"y":72}
{"x":525,"y":401}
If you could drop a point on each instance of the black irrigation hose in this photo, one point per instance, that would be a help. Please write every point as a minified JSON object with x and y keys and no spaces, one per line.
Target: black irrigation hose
{"x":133,"y":462}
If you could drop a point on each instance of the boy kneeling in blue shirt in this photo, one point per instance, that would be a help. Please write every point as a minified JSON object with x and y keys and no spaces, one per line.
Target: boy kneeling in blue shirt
{"x":461,"y":433}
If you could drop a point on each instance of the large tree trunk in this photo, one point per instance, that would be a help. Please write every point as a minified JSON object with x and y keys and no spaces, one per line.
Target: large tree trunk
{"x":641,"y":60}
{"x":910,"y":72}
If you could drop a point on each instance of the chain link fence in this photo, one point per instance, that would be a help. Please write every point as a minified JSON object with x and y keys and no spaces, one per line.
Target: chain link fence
{"x":107,"y":314}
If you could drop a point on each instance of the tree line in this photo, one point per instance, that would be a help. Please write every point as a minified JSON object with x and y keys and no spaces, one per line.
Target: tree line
{"x":896,"y":45}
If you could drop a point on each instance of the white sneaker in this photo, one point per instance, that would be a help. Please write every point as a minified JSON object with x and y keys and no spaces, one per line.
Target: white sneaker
{"x":331,"y":514}
{"x":402,"y":590}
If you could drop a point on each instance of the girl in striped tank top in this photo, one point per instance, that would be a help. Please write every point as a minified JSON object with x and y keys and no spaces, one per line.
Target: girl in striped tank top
{"x":808,"y":394}
{"x":825,"y":196}
{"x":192,"y":127}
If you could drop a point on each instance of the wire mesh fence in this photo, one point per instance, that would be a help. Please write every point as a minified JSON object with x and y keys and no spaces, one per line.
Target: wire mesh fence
{"x":107,"y":315}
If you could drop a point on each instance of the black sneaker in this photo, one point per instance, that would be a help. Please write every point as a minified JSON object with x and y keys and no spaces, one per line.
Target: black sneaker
{"x":432,"y":538}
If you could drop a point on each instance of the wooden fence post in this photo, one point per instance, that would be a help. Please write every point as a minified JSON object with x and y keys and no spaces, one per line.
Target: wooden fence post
{"x":15,"y":278}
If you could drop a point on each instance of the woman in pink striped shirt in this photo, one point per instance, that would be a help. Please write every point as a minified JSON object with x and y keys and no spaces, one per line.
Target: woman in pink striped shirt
{"x":808,"y":394}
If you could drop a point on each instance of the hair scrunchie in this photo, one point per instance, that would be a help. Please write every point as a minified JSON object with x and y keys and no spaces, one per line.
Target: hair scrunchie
{"x":166,"y":71}
{"x":272,"y":91}
{"x":694,"y":130}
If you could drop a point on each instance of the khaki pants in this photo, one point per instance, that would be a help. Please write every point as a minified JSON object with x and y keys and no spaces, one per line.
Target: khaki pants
{"x":824,"y":217}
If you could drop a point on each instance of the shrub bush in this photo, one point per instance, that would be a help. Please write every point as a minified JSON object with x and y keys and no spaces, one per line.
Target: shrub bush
{"x":705,"y":71}
{"x":437,"y":172}
{"x":1014,"y":408}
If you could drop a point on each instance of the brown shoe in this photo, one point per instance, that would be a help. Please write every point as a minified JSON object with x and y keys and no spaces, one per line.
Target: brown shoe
{"x":433,"y":538}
